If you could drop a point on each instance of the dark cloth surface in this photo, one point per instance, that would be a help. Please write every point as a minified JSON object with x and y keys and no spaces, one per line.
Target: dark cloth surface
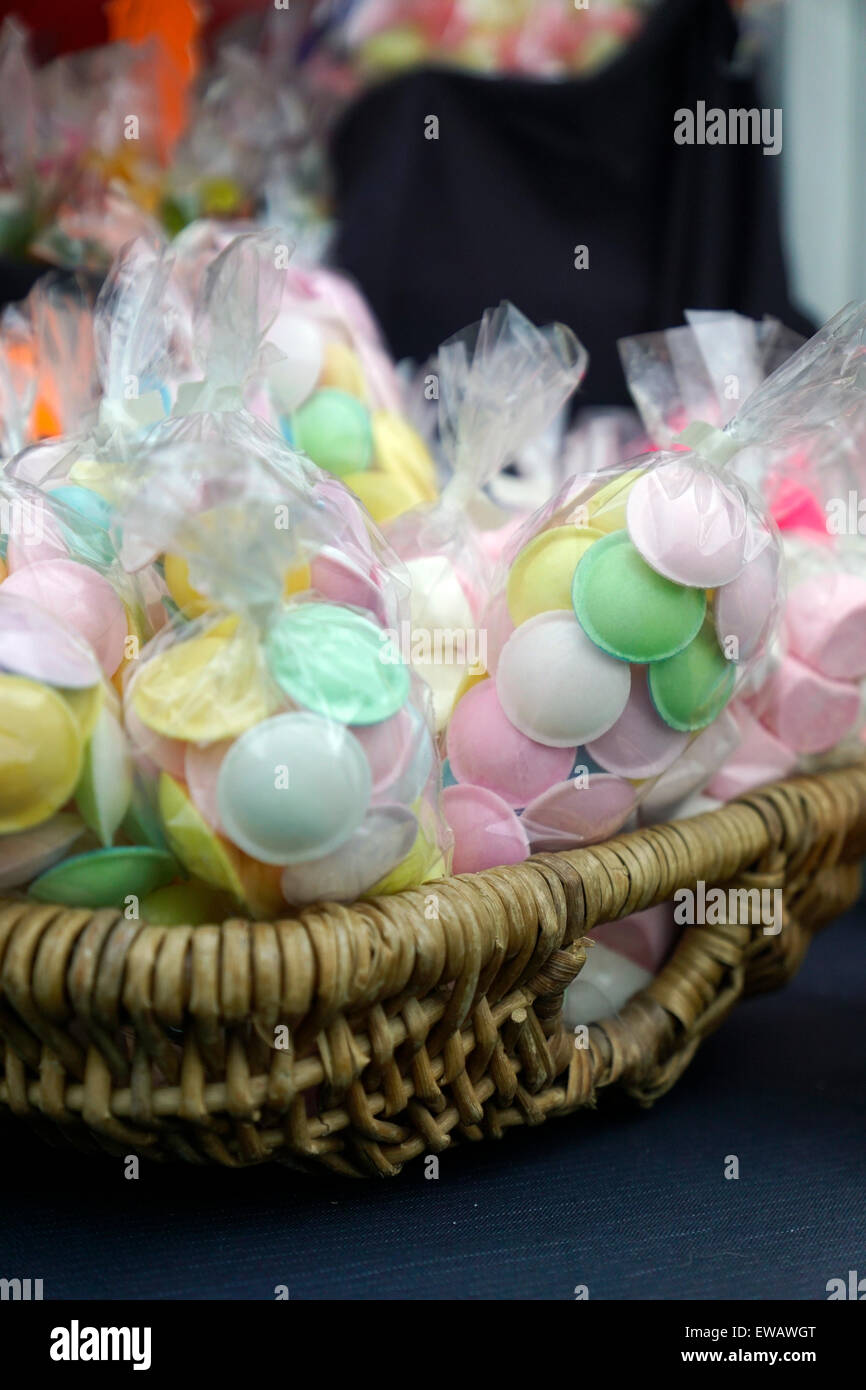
{"x":632,"y":1203}
{"x":523,"y":171}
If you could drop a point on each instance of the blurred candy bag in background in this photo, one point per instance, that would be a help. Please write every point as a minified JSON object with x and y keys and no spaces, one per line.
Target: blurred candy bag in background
{"x":48,"y":380}
{"x":500,"y":383}
{"x":286,"y":744}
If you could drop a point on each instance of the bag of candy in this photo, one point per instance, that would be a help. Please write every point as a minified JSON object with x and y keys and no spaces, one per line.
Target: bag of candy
{"x":286,"y":742}
{"x":499,"y":384}
{"x":802,"y":706}
{"x":627,"y":614}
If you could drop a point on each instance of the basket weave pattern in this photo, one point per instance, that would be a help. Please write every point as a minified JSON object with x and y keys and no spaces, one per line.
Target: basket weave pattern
{"x":405,"y":1029}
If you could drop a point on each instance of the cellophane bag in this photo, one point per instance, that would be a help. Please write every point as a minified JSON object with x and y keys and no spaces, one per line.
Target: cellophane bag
{"x":72,"y":622}
{"x":802,"y":707}
{"x":627,"y":615}
{"x":287,"y":747}
{"x":500,"y":384}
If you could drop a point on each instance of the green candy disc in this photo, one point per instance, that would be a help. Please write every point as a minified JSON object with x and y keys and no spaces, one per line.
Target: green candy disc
{"x":691,"y":688}
{"x":105,"y":877}
{"x":186,"y":905}
{"x":337,"y":663}
{"x":336,"y":431}
{"x":628,"y":609}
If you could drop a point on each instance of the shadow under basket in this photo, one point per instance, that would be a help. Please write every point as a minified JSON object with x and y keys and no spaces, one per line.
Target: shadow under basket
{"x":358,"y":1038}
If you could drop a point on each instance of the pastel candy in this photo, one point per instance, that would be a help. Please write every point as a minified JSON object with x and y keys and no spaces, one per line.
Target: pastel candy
{"x":400,"y":451}
{"x":388,"y":746}
{"x":541,"y":577}
{"x":186,"y":905}
{"x":334,"y":429}
{"x":294,"y":378}
{"x":198,"y":847}
{"x":410,"y":778}
{"x":201,"y":769}
{"x":337,"y":663}
{"x":440,"y":602}
{"x":342,"y":369}
{"x":578,"y":812}
{"x":825,"y":622}
{"x":41,"y":753}
{"x":172,"y":693}
{"x":149,"y":748}
{"x":31,"y":852}
{"x":556,"y":686}
{"x":606,"y":508}
{"x":496,"y":629}
{"x":807,"y":711}
{"x":691,"y":688}
{"x":104,"y":789}
{"x":646,"y":938}
{"x":743,"y":609}
{"x":487,"y":833}
{"x":628,"y":609}
{"x":293,"y":788}
{"x":603,"y":987}
{"x":384,"y":496}
{"x":796,"y":508}
{"x":484,"y":748}
{"x":761,"y":758}
{"x":79,"y":598}
{"x":639,"y":744}
{"x":692,"y":770}
{"x":689,"y":525}
{"x":340,"y":579}
{"x":105,"y":877}
{"x":36,"y":645}
{"x":382,"y":840}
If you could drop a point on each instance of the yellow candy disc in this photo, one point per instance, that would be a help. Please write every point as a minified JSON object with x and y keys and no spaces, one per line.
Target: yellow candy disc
{"x":384,"y":495}
{"x":206,"y":688}
{"x":41,"y":752}
{"x":606,"y":509}
{"x":399,"y":449}
{"x":188,"y":599}
{"x":297,"y":581}
{"x":4,"y":573}
{"x":86,"y":706}
{"x":541,"y":577}
{"x":202,"y":852}
{"x":343,"y":371}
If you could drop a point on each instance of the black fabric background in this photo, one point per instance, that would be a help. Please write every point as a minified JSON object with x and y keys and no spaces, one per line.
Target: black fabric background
{"x":631,"y":1202}
{"x":435,"y":231}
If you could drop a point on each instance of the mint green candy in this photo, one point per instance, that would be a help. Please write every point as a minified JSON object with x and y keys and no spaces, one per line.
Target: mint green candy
{"x":334,"y":428}
{"x":105,"y":877}
{"x":690,"y":689}
{"x":338,"y":663}
{"x":627,"y":608}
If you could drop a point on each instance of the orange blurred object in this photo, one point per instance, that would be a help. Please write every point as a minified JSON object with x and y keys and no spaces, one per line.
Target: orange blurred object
{"x":174,"y":26}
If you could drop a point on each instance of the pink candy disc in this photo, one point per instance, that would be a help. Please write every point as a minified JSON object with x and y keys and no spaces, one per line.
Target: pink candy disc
{"x":692,"y":770}
{"x":496,"y":629}
{"x":487,"y":833}
{"x":389,"y":746}
{"x":485,"y":749}
{"x":556,"y":686}
{"x":646,"y":938}
{"x":744,"y":607}
{"x":34,"y":644}
{"x":79,"y":598}
{"x":201,"y":766}
{"x":825,"y":620}
{"x":761,"y":758}
{"x":688,"y":525}
{"x":382,"y":840}
{"x":162,"y":754}
{"x":578,"y":812}
{"x":336,"y":578}
{"x":807,"y":711}
{"x":640,"y":744}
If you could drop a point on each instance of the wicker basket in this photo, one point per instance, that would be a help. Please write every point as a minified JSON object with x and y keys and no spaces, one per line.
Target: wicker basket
{"x":404,"y":1030}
